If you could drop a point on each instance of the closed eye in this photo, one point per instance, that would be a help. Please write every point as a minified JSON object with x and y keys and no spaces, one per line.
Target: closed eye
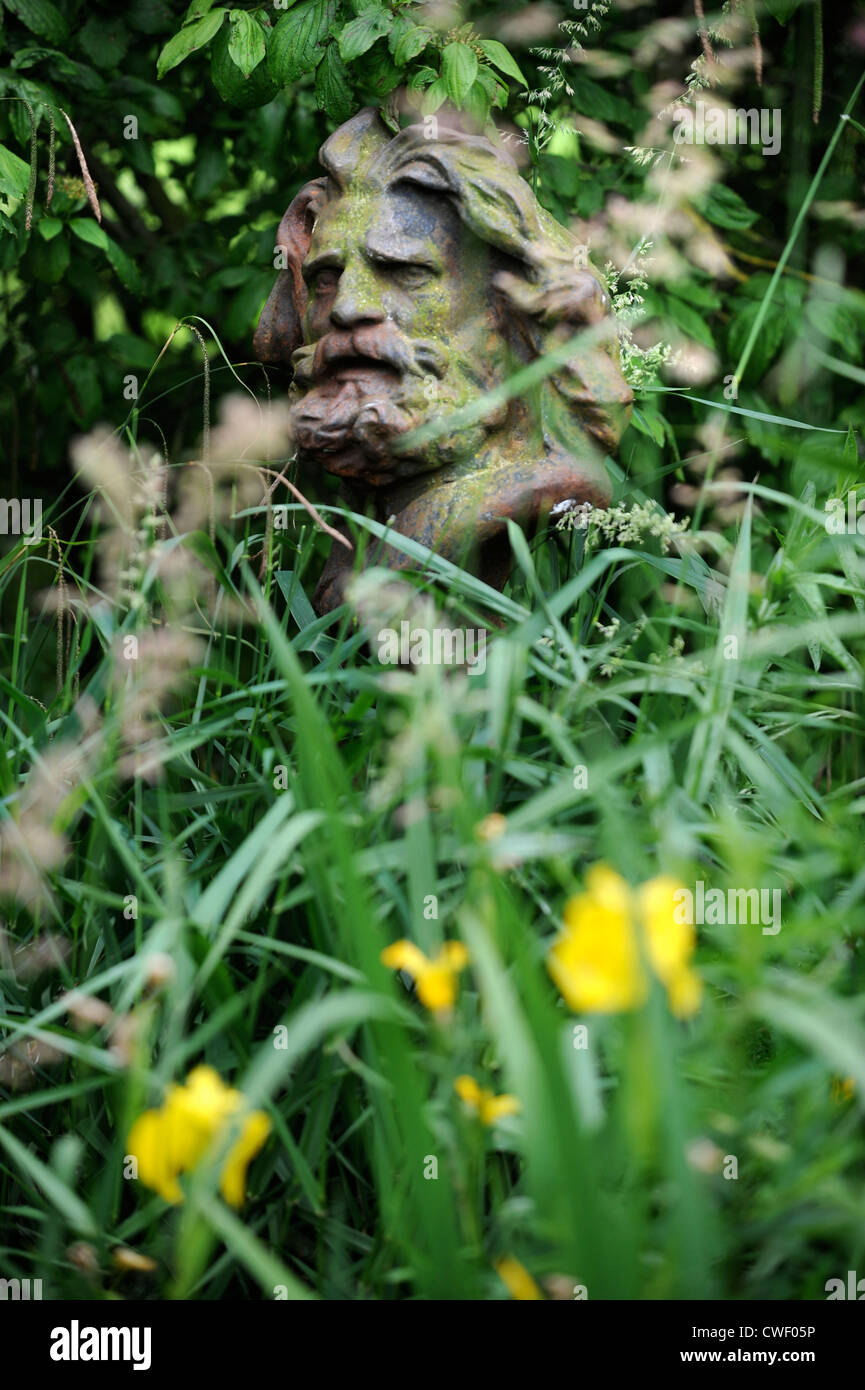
{"x":325,"y":280}
{"x":323,"y":277}
{"x":407,"y":274}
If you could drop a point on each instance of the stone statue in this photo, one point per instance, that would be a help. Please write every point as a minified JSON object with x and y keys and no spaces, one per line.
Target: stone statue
{"x":420,"y":273}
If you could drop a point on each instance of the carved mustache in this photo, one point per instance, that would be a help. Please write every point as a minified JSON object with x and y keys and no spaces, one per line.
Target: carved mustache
{"x":382,"y":343}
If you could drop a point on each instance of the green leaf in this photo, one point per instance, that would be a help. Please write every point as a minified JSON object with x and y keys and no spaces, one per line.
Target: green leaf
{"x":851,"y":451}
{"x":197,"y":9}
{"x":255,"y":88}
{"x":41,"y":17}
{"x":361,"y":33}
{"x":408,"y":41}
{"x":333,"y":86}
{"x":14,"y":174}
{"x":498,"y":55}
{"x":36,"y":1174}
{"x":477,"y":103}
{"x":725,"y":208}
{"x":689,"y":320}
{"x":125,"y":269}
{"x":192,"y":37}
{"x":422,"y":78}
{"x":49,"y":259}
{"x":296,"y":43}
{"x":782,"y":10}
{"x":245,"y":41}
{"x":459,"y":70}
{"x":767,"y":344}
{"x":378,"y":73}
{"x":91,"y":232}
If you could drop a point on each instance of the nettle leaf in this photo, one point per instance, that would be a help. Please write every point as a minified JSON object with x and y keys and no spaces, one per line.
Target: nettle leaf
{"x":494,"y":90}
{"x":125,"y":269}
{"x":40,"y":17}
{"x":296,"y":43}
{"x":89,"y":231}
{"x":190,"y":38}
{"x":689,"y":320}
{"x":333,"y":92}
{"x":725,"y":208}
{"x":361,"y":33}
{"x":379,"y":73}
{"x":422,"y":78}
{"x":49,"y":227}
{"x":498,"y":55}
{"x":14,"y":174}
{"x":105,"y":41}
{"x":247,"y":90}
{"x":459,"y":71}
{"x":407,"y":40}
{"x":767,"y":344}
{"x":435,"y":95}
{"x":245,"y":41}
{"x":477,"y":103}
{"x":49,"y":260}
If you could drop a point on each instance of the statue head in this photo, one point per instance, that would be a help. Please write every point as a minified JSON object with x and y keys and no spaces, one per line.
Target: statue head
{"x":420,"y":273}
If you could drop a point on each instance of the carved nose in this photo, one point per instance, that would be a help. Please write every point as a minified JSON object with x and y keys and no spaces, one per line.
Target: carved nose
{"x":356,"y":303}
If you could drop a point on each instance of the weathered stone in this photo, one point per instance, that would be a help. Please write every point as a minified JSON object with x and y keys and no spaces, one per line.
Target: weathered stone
{"x":420,"y":273}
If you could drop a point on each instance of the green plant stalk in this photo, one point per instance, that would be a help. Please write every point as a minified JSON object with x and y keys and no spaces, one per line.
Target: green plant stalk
{"x":791,"y":240}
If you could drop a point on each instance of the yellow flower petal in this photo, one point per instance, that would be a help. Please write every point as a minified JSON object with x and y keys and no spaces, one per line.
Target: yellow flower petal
{"x":437,"y":988}
{"x":174,"y":1139}
{"x":595,"y":962}
{"x":685,"y":990}
{"x":404,"y":955}
{"x":517,"y":1280}
{"x":670,"y":943}
{"x":453,"y":955}
{"x":435,"y":980}
{"x":468,"y":1091}
{"x":496,"y":1107}
{"x":256,"y":1128}
{"x":146,"y":1143}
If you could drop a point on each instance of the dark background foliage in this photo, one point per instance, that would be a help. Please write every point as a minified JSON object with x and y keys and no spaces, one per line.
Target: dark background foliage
{"x":190,"y":205}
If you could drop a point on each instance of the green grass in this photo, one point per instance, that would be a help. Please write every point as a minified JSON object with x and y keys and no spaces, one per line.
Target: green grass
{"x":274,"y":904}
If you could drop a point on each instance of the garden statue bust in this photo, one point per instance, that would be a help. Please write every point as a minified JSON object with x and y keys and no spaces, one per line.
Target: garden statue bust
{"x":421,"y":273}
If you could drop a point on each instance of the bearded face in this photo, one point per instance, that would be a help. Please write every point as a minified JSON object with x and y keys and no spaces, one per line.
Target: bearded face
{"x":400,"y":326}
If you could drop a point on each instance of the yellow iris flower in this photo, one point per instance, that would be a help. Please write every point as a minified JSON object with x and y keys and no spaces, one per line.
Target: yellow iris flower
{"x":597,"y":961}
{"x":173,"y":1139}
{"x":517,"y":1280}
{"x":489,"y":1107}
{"x":436,"y":979}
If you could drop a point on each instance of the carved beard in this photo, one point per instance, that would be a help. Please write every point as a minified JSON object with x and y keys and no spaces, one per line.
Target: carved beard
{"x":365,"y":389}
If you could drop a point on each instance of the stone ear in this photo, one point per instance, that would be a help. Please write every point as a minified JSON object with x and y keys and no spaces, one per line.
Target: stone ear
{"x":280,"y":327}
